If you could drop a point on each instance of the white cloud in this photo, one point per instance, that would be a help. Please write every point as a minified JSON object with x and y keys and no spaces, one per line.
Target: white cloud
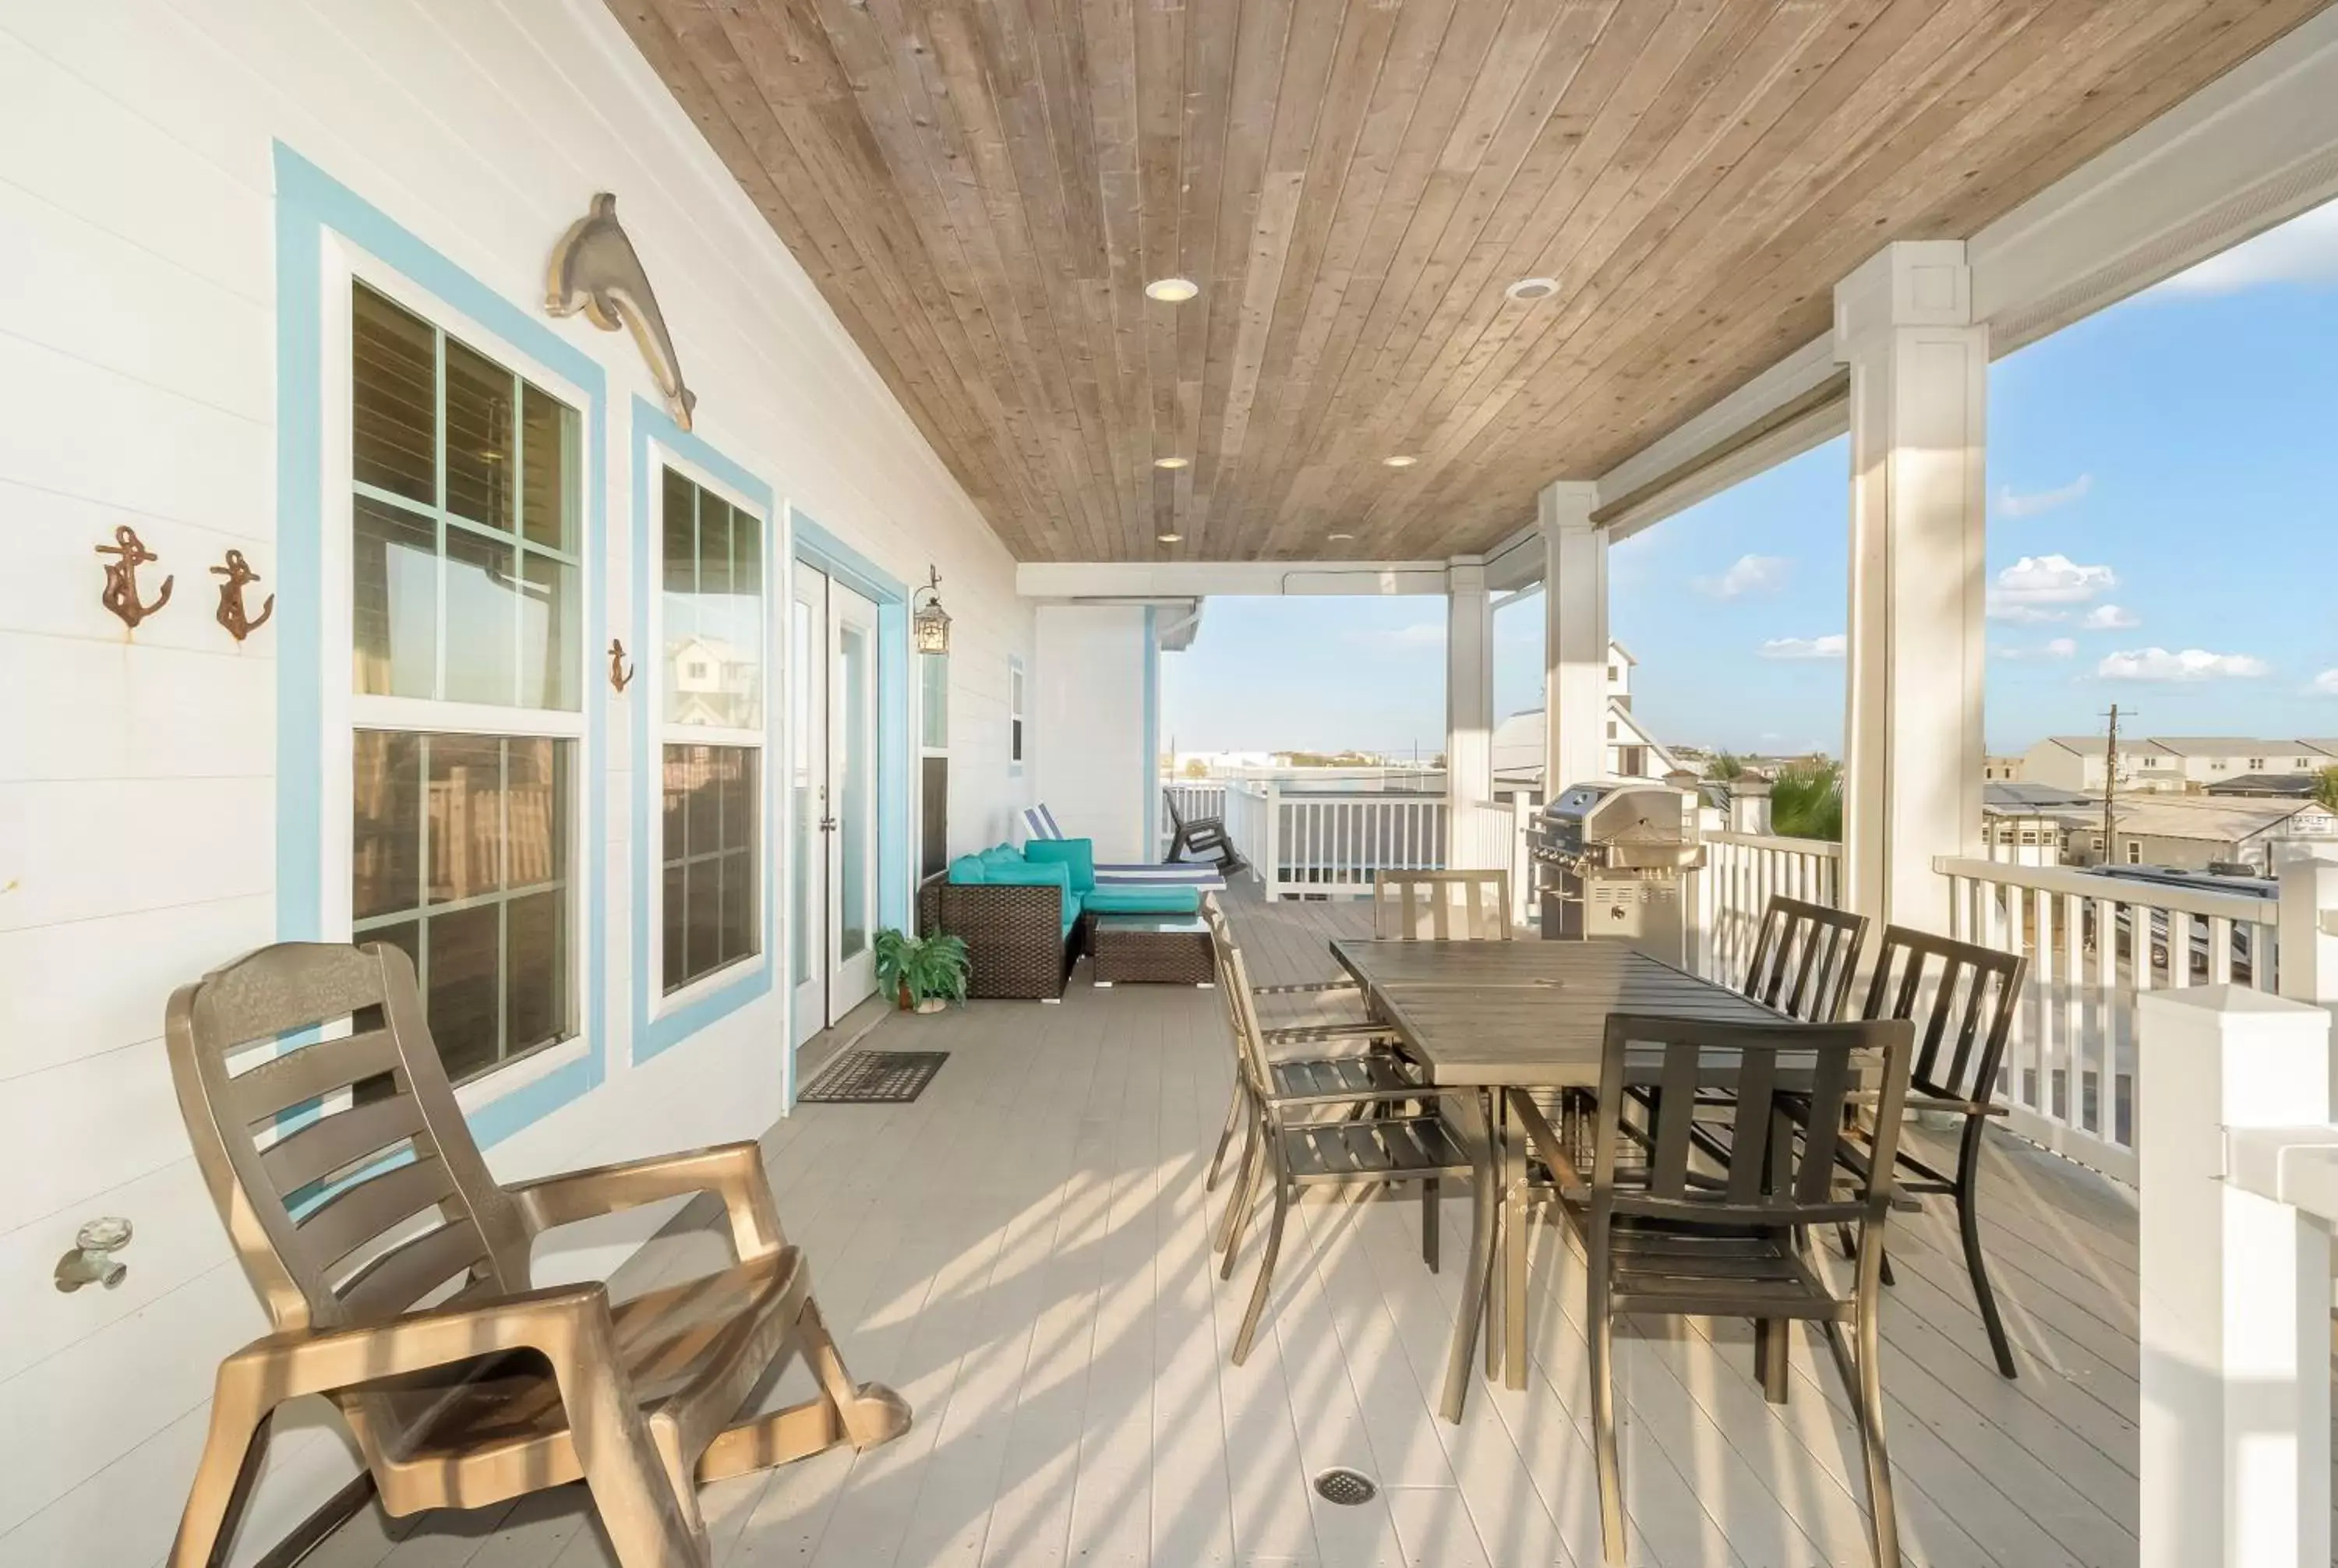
{"x":2026,"y":590}
{"x":2111,"y":618}
{"x":2191,"y":664}
{"x":2057,"y":648}
{"x":1746,"y":574}
{"x":2325,"y":684}
{"x":2015,"y":504}
{"x":2302,"y":250}
{"x":1419,"y":634}
{"x":1831,"y":647}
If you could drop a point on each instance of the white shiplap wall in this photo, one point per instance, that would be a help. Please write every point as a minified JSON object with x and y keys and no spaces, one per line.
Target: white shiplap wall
{"x":137,"y":798}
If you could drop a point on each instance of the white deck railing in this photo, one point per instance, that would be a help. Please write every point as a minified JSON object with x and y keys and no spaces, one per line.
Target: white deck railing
{"x":2069,"y":1070}
{"x":1742,"y":872}
{"x":1319,"y":844}
{"x":1195,"y":799}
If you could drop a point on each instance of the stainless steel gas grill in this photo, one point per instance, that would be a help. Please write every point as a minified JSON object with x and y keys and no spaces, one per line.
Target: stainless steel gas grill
{"x":1609,"y":860}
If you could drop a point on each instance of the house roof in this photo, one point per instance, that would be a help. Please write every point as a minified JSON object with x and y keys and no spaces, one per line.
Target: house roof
{"x":2215,"y":818}
{"x":2092,"y":745}
{"x":2223,"y":745}
{"x":2004,"y":797}
{"x":2286,"y":786}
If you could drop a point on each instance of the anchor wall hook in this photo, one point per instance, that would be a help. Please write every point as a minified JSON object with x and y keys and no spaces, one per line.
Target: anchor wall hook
{"x":621,"y":673}
{"x":231,"y":615}
{"x":121,"y":594}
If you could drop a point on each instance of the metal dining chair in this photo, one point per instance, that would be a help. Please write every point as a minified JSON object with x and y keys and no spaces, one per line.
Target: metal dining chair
{"x":1291,"y":1144}
{"x":1320,"y":1056}
{"x":1805,"y":956}
{"x":1441,"y":906}
{"x":1662,"y":1238}
{"x":1965,"y":996}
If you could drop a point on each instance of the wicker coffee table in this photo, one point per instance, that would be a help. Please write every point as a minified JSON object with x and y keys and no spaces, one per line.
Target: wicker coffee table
{"x":1161,"y":949}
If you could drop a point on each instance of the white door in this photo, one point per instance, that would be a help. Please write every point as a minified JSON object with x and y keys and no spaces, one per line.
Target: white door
{"x":832,"y":645}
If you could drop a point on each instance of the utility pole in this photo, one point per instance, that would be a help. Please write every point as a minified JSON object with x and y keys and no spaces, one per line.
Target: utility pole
{"x":2110,"y":781}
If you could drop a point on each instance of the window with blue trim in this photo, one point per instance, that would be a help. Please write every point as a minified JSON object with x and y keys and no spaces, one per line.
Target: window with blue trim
{"x":466,"y":614}
{"x":711,"y":616}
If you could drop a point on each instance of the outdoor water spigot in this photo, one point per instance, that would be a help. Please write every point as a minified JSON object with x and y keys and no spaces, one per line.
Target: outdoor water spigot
{"x":91,"y":1261}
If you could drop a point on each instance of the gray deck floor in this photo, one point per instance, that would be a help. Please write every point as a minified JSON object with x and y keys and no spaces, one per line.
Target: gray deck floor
{"x":1023,"y":1253}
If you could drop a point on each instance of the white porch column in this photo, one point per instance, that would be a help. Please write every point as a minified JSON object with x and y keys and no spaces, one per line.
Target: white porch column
{"x":1574,"y":636}
{"x":1912,"y":744}
{"x":2234,"y":1283}
{"x":1468,"y":713}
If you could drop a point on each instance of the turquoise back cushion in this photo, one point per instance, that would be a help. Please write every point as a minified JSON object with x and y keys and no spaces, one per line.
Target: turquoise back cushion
{"x":1019,"y":872}
{"x":967,"y":869}
{"x":1078,"y":854}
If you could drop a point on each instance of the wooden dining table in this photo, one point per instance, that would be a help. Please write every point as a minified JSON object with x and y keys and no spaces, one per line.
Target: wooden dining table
{"x":1485,"y":1018}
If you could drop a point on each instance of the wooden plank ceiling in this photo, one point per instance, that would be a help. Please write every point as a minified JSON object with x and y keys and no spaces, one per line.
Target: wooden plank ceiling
{"x":982,"y":188}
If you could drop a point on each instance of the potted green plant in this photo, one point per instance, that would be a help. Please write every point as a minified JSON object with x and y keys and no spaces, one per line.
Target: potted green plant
{"x":923,"y":973}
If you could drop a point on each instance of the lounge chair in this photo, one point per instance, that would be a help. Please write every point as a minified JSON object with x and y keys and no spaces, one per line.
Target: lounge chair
{"x":1039,"y":823}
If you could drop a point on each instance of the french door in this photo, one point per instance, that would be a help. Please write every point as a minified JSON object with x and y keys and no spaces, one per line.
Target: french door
{"x":833,"y":644}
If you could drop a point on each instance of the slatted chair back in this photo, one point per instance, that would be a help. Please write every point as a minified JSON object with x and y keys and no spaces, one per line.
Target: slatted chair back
{"x":1241,"y":1002}
{"x":1441,"y":906}
{"x":1805,"y":959}
{"x":344,"y":1207}
{"x":1964,"y":997}
{"x":1176,"y":817}
{"x":1779,"y":1077}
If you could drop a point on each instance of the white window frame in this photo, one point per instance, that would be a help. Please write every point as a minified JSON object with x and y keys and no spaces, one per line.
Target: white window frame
{"x":344,"y":711}
{"x":1018,"y":723}
{"x":666,"y":732}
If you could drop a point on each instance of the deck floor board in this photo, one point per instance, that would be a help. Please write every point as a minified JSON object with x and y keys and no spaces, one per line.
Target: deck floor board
{"x":1025,"y":1252}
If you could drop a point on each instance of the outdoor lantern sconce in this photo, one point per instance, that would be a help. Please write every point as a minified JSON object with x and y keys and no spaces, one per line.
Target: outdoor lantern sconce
{"x":931,"y":624}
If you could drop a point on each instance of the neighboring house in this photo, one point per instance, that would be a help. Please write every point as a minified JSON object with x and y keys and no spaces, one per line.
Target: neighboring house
{"x":2028,"y":824}
{"x":712,"y":682}
{"x":2192,"y":833}
{"x":1632,"y":752}
{"x":2077,"y":763}
{"x":2177,"y":763}
{"x":2000,"y":770}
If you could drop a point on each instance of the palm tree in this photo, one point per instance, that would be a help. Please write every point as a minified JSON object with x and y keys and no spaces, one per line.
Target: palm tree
{"x":1806,"y":800}
{"x":2325,"y":788}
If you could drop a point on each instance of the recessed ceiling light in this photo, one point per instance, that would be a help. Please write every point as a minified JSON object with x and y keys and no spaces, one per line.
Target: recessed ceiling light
{"x":1170,"y":462}
{"x":1533,"y":289}
{"x":1400,"y":460}
{"x":1168,"y":538}
{"x":1173,"y":290}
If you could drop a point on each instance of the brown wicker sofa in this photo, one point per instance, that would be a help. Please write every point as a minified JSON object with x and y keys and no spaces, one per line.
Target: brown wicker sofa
{"x":1015,"y":940}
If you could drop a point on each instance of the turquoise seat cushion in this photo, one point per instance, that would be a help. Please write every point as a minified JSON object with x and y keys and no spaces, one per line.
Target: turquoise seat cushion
{"x":1078,"y":854}
{"x":1072,"y":906}
{"x":1142,"y":900}
{"x":967,"y":870}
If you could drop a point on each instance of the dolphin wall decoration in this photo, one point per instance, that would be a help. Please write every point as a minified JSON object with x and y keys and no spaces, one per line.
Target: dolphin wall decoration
{"x":595,"y":269}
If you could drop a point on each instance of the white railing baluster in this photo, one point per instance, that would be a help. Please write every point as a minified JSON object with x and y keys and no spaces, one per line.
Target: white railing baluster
{"x":2070,"y":1073}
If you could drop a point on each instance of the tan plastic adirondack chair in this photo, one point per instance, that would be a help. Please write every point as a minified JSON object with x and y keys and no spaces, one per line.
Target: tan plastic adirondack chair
{"x":396,"y":1272}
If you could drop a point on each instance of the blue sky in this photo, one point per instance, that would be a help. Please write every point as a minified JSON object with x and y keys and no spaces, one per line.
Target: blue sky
{"x":2163,"y":533}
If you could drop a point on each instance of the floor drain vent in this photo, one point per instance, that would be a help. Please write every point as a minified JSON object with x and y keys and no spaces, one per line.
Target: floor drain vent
{"x":1348,"y":1488}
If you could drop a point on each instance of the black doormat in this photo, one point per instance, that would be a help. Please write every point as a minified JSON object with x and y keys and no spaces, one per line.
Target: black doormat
{"x":875,"y":1078}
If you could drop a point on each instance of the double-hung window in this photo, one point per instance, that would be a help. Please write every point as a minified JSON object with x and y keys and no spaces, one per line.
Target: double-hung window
{"x":712,"y":614}
{"x":466,"y":600}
